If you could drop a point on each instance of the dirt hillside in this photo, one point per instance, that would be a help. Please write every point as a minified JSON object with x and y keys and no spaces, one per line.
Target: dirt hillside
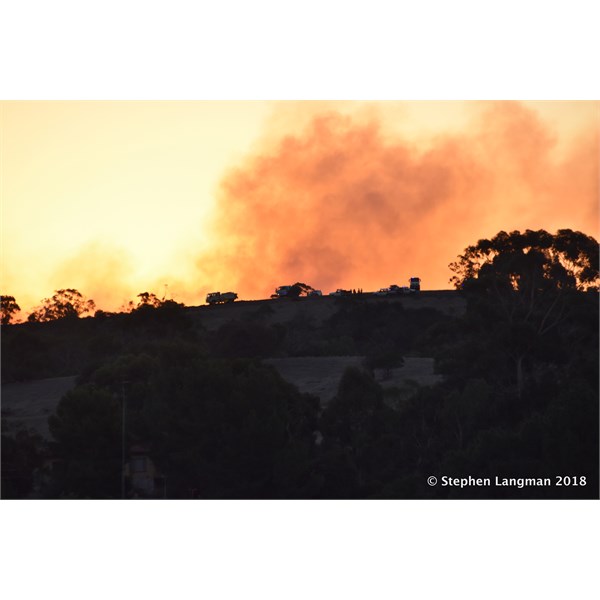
{"x":318,"y":309}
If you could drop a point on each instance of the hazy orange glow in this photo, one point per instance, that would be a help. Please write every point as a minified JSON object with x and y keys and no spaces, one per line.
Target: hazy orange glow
{"x":116,"y":198}
{"x":341,"y":204}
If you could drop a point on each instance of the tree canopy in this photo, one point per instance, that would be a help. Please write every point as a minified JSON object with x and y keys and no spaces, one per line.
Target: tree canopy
{"x":530,"y":261}
{"x":149,"y":299}
{"x":219,"y":429}
{"x":299,"y":289}
{"x":67,"y":303}
{"x":9,"y":308}
{"x":520,"y":286}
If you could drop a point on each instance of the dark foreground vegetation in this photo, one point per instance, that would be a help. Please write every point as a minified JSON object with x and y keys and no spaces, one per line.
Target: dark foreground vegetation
{"x":193,"y":413}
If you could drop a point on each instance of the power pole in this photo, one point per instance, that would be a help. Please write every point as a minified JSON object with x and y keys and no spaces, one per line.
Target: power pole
{"x":123,"y":414}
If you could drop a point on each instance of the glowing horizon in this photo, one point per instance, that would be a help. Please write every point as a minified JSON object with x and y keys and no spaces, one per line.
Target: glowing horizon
{"x":118,"y":198}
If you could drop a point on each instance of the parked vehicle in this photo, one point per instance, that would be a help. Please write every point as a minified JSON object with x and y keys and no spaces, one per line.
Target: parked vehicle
{"x":221,"y":298}
{"x":383,"y":292}
{"x":340,"y":292}
{"x":282,"y":291}
{"x":395,"y":290}
{"x":415,"y":284}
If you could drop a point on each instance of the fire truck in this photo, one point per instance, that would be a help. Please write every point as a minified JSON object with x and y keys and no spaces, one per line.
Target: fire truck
{"x":221,"y":298}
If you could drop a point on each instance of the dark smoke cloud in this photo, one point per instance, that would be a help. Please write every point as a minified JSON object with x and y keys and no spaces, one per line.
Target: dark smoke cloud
{"x":341,"y":204}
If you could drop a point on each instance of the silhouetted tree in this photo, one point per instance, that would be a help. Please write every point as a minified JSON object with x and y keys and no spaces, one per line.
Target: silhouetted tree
{"x":87,"y":433}
{"x":126,"y":307}
{"x":148,"y":299}
{"x":520,"y":284}
{"x":348,"y":416}
{"x":227,"y":429}
{"x":385,"y":356}
{"x":9,"y":308}
{"x":145,"y":300}
{"x":21,"y":455}
{"x":530,"y":262}
{"x":360,"y":436}
{"x":68,"y":303}
{"x":299,"y":289}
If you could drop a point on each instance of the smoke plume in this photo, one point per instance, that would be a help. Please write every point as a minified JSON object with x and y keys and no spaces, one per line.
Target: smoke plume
{"x":100,"y":271}
{"x":342,"y":204}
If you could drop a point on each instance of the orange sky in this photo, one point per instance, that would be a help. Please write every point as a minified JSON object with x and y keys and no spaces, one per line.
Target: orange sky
{"x":116,"y":198}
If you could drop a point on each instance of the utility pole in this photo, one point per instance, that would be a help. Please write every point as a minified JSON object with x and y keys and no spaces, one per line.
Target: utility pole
{"x":123,"y":414}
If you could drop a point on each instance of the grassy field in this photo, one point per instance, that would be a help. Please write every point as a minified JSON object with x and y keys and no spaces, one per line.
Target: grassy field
{"x":321,"y":375}
{"x":28,"y":405}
